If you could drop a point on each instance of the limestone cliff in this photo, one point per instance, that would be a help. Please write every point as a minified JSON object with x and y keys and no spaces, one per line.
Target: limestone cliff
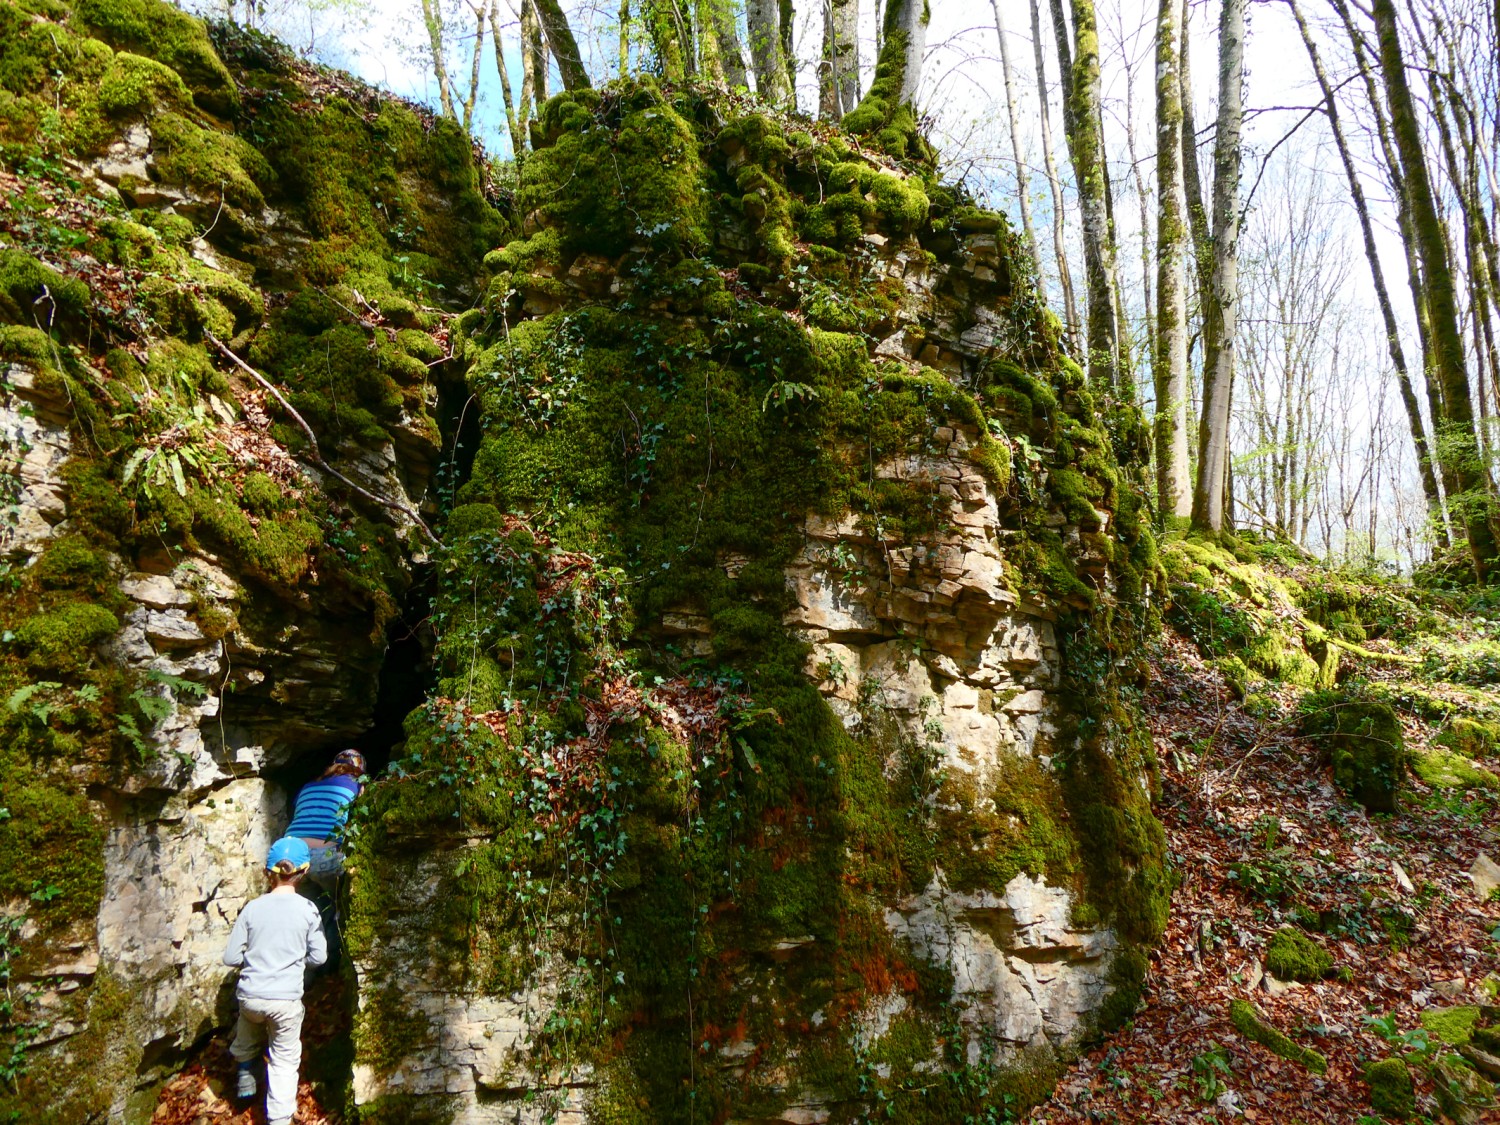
{"x":779,"y":607}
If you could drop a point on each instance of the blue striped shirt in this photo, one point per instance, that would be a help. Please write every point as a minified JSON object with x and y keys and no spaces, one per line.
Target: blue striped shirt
{"x":322,"y":806}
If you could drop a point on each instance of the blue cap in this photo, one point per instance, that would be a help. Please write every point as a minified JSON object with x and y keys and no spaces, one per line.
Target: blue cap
{"x":290,"y":848}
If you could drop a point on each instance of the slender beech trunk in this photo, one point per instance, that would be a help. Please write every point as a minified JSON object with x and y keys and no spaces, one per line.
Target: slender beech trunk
{"x":1222,"y":326}
{"x":787,"y":18}
{"x":533,"y":62}
{"x":475,"y":58}
{"x":1023,"y":189}
{"x":1382,"y":294}
{"x":561,"y":43}
{"x":1081,"y":119}
{"x":763,"y":18}
{"x":838,"y":73}
{"x":432,"y":17}
{"x":1142,"y":197}
{"x":671,"y":38}
{"x":1064,"y":274}
{"x":718,"y":18}
{"x":624,"y":38}
{"x":1430,"y":387}
{"x":1456,"y":440}
{"x":517,"y":130}
{"x":1173,"y":482}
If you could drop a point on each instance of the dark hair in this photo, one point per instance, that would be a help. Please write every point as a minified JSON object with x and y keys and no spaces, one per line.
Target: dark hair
{"x":343,"y":768}
{"x":286,"y":872}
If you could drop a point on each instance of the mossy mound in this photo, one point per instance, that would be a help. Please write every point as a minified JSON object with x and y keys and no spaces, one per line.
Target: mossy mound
{"x":1364,"y":742}
{"x":1392,"y":1093}
{"x":1453,"y":1026}
{"x":1292,"y":955}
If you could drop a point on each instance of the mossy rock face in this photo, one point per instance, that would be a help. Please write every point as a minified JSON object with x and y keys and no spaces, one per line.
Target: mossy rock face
{"x":171,"y":37}
{"x":675,"y":383}
{"x":1392,"y":1093}
{"x":1363,"y":738}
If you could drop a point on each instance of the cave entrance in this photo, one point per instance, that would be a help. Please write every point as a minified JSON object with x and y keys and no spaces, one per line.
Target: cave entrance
{"x":404,"y":679}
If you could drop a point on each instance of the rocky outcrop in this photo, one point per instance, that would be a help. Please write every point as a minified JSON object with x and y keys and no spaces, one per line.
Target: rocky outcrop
{"x":775,"y":760}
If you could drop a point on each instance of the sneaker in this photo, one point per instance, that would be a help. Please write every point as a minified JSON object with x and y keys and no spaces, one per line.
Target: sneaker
{"x":244,"y":1086}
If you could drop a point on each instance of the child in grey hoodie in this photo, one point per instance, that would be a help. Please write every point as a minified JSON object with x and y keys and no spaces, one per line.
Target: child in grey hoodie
{"x":275,"y":936}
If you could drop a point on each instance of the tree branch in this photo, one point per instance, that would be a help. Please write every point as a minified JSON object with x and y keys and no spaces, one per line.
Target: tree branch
{"x":312,"y":440}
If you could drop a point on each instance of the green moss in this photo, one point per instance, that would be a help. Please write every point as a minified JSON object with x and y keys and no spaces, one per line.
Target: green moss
{"x":1364,"y":741}
{"x":1473,"y":738}
{"x":1292,"y":955}
{"x":133,"y":84}
{"x":159,"y":31}
{"x":34,"y":294}
{"x":63,"y":639}
{"x":1441,"y":768}
{"x":1453,"y":1026}
{"x":617,"y":172}
{"x":1392,"y":1094}
{"x":51,"y":850}
{"x":1253,"y":1026}
{"x":213,"y":163}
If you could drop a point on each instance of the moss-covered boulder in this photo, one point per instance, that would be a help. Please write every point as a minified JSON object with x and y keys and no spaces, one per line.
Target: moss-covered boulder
{"x":1364,"y":741}
{"x":1292,"y":955}
{"x":1392,"y":1093}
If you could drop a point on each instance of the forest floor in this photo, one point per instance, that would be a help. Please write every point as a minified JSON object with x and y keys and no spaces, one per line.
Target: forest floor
{"x":1242,"y":796}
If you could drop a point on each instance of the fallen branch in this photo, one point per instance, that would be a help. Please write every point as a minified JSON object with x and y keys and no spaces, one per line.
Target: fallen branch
{"x":1371,"y":654}
{"x":312,"y":441}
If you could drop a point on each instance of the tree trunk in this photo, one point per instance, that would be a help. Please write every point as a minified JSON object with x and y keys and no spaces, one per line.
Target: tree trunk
{"x":1064,"y":274}
{"x":517,"y":130}
{"x":1022,"y":188}
{"x":533,"y":62}
{"x":718,"y":16}
{"x":1382,"y":294}
{"x":1221,"y":327}
{"x":1082,"y":119}
{"x":432,"y":17}
{"x":563,"y":46}
{"x":1173,"y":484}
{"x":475,"y":58}
{"x":838,"y":73}
{"x":1456,"y":441}
{"x":671,"y":38}
{"x":763,"y":17}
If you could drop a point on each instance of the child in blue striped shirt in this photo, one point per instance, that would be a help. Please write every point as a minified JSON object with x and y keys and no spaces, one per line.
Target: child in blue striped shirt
{"x":319,"y":813}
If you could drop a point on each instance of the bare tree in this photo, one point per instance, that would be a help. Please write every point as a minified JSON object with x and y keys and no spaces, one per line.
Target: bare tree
{"x":1457,"y":446}
{"x":561,"y":43}
{"x":1173,"y":482}
{"x":1023,"y":190}
{"x":1082,"y":124}
{"x":1372,"y":256}
{"x":1059,"y":215}
{"x":763,"y":18}
{"x":1220,"y":312}
{"x":838,"y":73}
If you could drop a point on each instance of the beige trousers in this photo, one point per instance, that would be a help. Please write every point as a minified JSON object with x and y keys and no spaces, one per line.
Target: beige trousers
{"x":279,"y":1022}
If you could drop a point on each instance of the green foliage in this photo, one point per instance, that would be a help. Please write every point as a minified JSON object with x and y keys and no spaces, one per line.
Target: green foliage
{"x":1211,"y":1070}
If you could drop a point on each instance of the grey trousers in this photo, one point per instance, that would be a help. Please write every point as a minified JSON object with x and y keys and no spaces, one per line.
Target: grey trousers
{"x":280,"y":1023}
